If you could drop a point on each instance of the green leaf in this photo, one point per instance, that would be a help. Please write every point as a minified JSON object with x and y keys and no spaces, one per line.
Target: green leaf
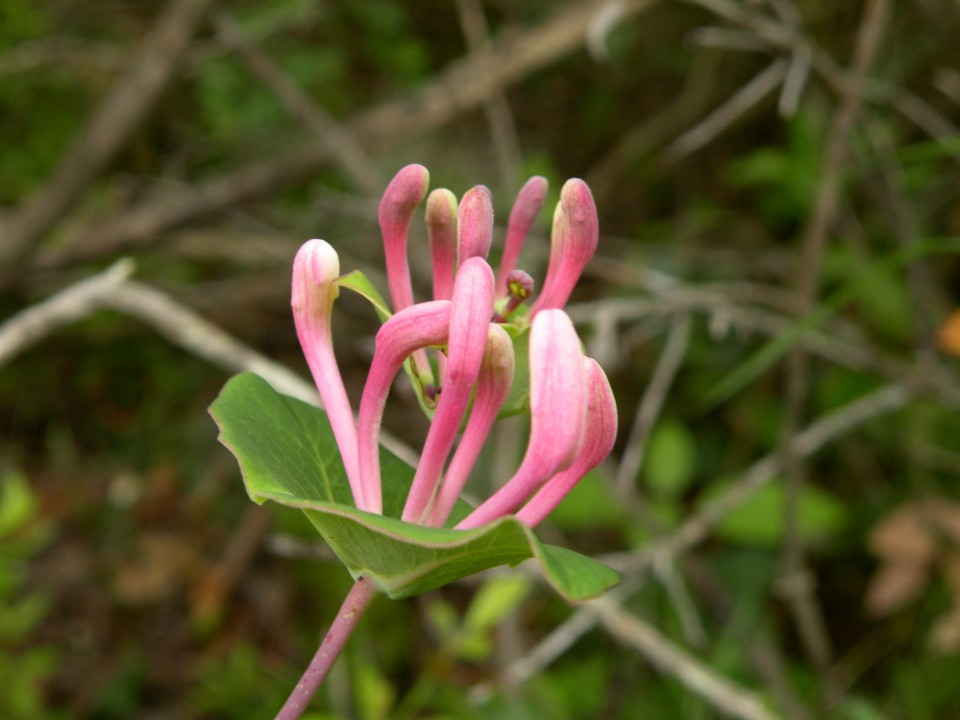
{"x":671,"y":458}
{"x":759,"y":521}
{"x":360,"y":284}
{"x":287,"y":453}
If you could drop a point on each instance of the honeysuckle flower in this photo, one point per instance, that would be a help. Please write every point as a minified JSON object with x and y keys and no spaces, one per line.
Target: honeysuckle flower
{"x":572,"y":413}
{"x":441,"y":221}
{"x":474,"y":224}
{"x":411,"y":329}
{"x":573,"y":418}
{"x":573,"y":241}
{"x":402,"y":196}
{"x":493,"y":387}
{"x":469,"y":318}
{"x":529,"y":201}
{"x":599,"y":433}
{"x":313,"y":291}
{"x":557,"y":408}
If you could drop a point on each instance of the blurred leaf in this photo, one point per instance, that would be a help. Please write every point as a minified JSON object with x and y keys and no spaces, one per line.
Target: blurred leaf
{"x":372,"y":692}
{"x":496,"y":599}
{"x":287,"y":454}
{"x":759,"y":521}
{"x":670,"y":459}
{"x":18,"y":504}
{"x":590,"y":504}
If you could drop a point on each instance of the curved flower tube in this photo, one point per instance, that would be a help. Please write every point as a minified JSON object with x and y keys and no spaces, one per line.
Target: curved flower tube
{"x":493,"y":388}
{"x":474,"y":224}
{"x":557,"y":405}
{"x":529,"y":202}
{"x":599,"y":434}
{"x":313,"y":290}
{"x":411,"y":329}
{"x":402,"y":196}
{"x":573,"y":241}
{"x":469,"y":318}
{"x":441,"y":220}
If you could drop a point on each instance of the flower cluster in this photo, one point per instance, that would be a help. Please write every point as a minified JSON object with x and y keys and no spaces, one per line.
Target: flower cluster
{"x":573,"y":415}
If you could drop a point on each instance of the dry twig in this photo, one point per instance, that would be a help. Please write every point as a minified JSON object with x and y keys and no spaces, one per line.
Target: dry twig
{"x":110,"y":125}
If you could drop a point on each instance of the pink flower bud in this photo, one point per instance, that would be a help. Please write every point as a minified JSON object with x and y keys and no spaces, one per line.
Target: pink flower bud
{"x":411,"y":329}
{"x":572,"y":243}
{"x":493,"y":388}
{"x":529,"y":202}
{"x":599,"y":434}
{"x":402,"y":196}
{"x":313,"y":291}
{"x":469,"y":319}
{"x":557,"y":408}
{"x":442,"y":233}
{"x":474,"y":224}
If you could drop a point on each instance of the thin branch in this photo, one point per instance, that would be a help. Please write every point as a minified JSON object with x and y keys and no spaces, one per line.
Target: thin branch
{"x":651,"y":404}
{"x":698,"y":527}
{"x":25,"y":329}
{"x":174,"y":321}
{"x":797,"y":582}
{"x":344,"y":148}
{"x":463,"y":86}
{"x":503,"y":131}
{"x":729,"y":112}
{"x":720,"y":692}
{"x":111,"y":123}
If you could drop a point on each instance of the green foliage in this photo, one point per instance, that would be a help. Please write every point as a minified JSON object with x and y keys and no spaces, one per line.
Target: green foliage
{"x":288,"y":454}
{"x":25,"y":669}
{"x":759,"y":521}
{"x":670,"y":459}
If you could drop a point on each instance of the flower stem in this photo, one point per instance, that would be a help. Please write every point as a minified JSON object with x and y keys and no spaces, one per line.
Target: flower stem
{"x":356,"y":602}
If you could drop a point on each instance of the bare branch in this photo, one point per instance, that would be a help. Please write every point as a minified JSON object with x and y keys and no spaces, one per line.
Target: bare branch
{"x":108,"y":129}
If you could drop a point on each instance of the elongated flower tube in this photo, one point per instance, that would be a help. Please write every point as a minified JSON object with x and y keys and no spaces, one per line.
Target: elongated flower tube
{"x":411,"y":329}
{"x":474,"y":224}
{"x":441,"y":221}
{"x":599,"y":434}
{"x":557,"y":408}
{"x":402,"y":196}
{"x":573,"y":241}
{"x":493,"y":388}
{"x":315,"y":269}
{"x":469,"y":318}
{"x":528,"y":204}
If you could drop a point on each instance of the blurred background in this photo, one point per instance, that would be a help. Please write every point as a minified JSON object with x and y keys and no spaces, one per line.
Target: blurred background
{"x":774,"y":299}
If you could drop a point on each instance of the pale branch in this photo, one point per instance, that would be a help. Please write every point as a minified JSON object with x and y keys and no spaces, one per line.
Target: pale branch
{"x":720,"y":692}
{"x":463,"y":86}
{"x":177,"y":323}
{"x":343,"y":147}
{"x":111,"y":123}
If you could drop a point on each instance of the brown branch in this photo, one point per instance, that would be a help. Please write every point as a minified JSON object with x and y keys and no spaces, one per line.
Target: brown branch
{"x":111,"y":123}
{"x":343,"y":147}
{"x":464,"y":86}
{"x":797,"y":583}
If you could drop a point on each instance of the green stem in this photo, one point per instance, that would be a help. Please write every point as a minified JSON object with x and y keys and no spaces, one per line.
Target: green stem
{"x":354,"y":605}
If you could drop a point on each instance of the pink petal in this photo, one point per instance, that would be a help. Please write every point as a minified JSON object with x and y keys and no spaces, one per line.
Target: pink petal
{"x":600,"y":432}
{"x":557,"y":408}
{"x":442,"y":233}
{"x":474,"y":224}
{"x":315,"y":269}
{"x":572,"y":243}
{"x":413,"y":328}
{"x":528,"y":204}
{"x":470,"y":312}
{"x":402,"y":196}
{"x":493,"y":388}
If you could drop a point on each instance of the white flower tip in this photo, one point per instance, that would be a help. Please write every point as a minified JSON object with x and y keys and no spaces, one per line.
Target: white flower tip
{"x":316,"y":265}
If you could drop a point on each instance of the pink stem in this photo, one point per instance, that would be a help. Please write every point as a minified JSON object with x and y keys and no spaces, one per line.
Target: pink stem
{"x":354,"y":605}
